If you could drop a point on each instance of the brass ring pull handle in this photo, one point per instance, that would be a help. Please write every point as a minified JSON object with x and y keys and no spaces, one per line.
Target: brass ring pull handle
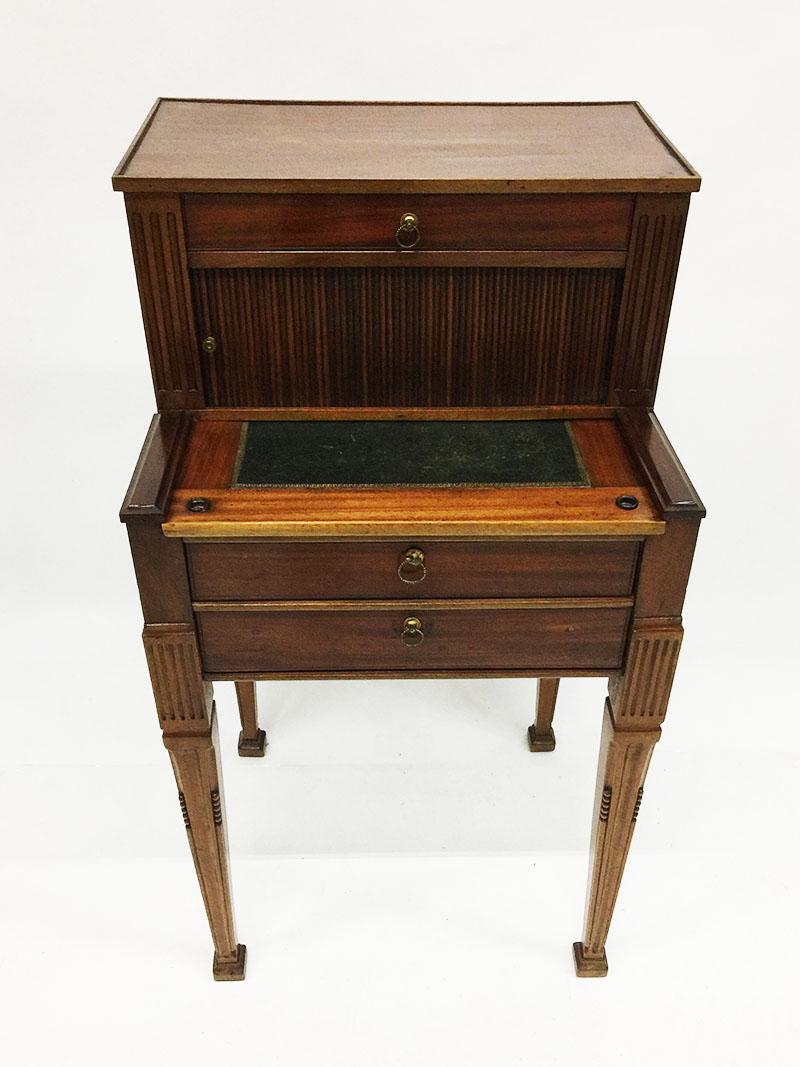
{"x":412,"y":632}
{"x":412,"y":566}
{"x":407,"y":235}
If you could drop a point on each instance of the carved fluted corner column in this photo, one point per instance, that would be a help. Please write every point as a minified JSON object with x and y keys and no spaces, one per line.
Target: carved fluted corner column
{"x":635,"y":709}
{"x":188,"y":722}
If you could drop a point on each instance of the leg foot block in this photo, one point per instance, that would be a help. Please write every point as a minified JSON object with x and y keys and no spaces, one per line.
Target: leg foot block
{"x":252,"y":746}
{"x":543,"y":742}
{"x":589,"y":967}
{"x":231,"y":970}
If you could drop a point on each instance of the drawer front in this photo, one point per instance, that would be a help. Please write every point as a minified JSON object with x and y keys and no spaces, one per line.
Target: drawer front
{"x":308,"y":571}
{"x":352,"y":223}
{"x":409,"y":637}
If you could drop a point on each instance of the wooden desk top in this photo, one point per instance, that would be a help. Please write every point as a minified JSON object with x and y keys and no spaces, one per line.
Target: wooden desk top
{"x":263,"y":146}
{"x":208,"y":470}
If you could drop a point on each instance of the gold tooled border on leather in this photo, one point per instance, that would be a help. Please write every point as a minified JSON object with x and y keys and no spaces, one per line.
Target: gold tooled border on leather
{"x":584,"y":483}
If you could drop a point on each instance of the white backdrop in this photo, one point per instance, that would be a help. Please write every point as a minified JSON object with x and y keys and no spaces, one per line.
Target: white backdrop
{"x":408,"y":878}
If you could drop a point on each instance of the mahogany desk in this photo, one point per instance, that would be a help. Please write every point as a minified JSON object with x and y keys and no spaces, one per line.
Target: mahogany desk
{"x":405,"y":358}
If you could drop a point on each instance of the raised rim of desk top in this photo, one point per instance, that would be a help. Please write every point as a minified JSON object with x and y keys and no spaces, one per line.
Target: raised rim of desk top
{"x":194,"y":145}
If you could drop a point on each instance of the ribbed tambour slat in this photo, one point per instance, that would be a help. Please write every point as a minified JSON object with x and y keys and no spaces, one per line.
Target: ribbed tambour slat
{"x":407,"y":336}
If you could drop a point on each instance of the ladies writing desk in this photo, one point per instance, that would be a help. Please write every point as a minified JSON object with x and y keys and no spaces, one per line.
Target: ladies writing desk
{"x":405,"y":358}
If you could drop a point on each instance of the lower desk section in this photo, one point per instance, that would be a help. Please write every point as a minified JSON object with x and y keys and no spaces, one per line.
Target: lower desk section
{"x":413,"y":636}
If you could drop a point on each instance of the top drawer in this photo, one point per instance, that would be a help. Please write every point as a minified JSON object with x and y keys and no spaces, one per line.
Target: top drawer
{"x":227,"y":222}
{"x":299,"y":570}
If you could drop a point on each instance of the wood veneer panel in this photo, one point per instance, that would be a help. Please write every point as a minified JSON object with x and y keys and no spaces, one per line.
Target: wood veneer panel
{"x":333,"y":638}
{"x":279,"y":146}
{"x":664,"y":570}
{"x":407,"y":336}
{"x":549,"y":411}
{"x":605,"y":457}
{"x":481,"y":257}
{"x":161,"y":575}
{"x":401,"y":513}
{"x":211,"y":458}
{"x":415,"y":513}
{"x":291,"y":570}
{"x":352,"y":222}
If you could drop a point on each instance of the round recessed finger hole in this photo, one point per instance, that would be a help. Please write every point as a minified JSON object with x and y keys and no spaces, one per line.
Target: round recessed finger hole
{"x":627,"y":503}
{"x":198,"y":504}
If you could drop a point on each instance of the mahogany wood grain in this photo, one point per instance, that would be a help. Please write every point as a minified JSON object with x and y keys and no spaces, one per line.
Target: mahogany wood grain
{"x":211,"y":458}
{"x":271,"y":285}
{"x":183,"y":700}
{"x":252,"y":740}
{"x":664,"y":569}
{"x":412,"y":513}
{"x":162,"y":275}
{"x":650,"y":273}
{"x":156,"y":469}
{"x":374,"y":675}
{"x":198,"y":773}
{"x":519,"y":411}
{"x":279,"y":570}
{"x":472,"y":257}
{"x":186,"y":713}
{"x":656,"y":458}
{"x":541,"y":737}
{"x":605,"y":456}
{"x":639,"y":694}
{"x":333,"y":635}
{"x":445,"y":223}
{"x":159,"y":563}
{"x":624,"y":759}
{"x":285,"y":146}
{"x":406,"y":336}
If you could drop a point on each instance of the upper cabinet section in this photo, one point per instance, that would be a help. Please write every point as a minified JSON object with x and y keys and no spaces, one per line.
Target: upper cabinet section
{"x":195,"y":146}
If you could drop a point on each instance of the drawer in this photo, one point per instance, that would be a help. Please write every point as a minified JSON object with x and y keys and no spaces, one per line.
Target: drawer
{"x":429,"y":635}
{"x":248,"y":570}
{"x":230,"y":222}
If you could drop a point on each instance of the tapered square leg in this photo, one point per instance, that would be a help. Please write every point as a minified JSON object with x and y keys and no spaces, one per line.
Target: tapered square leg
{"x":195,"y":762}
{"x":624,"y":758}
{"x":252,"y":740}
{"x":540,"y":734}
{"x":188,"y":722}
{"x":637,"y":704}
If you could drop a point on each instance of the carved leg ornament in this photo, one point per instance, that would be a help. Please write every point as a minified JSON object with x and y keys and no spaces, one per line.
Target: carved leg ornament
{"x":634,"y":711}
{"x":540,"y":735}
{"x":252,"y":741}
{"x":187,"y":714}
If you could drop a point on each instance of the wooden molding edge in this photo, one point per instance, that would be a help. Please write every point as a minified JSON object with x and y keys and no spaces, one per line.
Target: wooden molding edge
{"x":156,"y":469}
{"x":666,"y":477}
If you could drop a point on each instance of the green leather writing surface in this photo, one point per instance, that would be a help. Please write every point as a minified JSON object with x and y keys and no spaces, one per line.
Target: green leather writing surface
{"x":408,"y":453}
